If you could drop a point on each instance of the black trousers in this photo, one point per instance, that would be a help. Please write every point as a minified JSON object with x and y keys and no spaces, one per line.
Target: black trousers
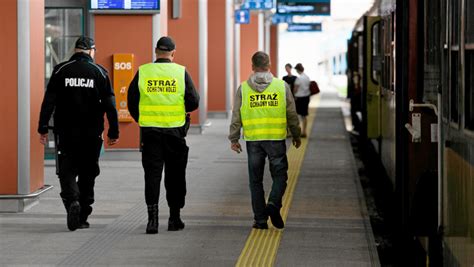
{"x":171,"y":153}
{"x":78,"y":161}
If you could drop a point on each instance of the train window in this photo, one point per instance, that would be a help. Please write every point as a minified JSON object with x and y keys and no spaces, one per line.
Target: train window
{"x":469,"y":83}
{"x":376,"y":58}
{"x":454,"y":99}
{"x":455,"y":22}
{"x":432,"y":40}
{"x":445,"y":85}
{"x":470,"y":22}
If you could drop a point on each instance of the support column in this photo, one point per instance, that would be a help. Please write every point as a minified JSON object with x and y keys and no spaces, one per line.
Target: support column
{"x":273,"y":43}
{"x":21,"y":161}
{"x":220,"y":38}
{"x":190,"y":34}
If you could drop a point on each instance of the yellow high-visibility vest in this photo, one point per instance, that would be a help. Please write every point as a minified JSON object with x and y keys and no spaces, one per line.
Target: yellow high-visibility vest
{"x":162,"y":89}
{"x":264,"y":114}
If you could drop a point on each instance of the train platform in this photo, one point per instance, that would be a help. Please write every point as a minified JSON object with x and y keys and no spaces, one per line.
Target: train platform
{"x":326,"y":217}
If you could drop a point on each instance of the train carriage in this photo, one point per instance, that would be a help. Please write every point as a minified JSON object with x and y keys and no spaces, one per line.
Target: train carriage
{"x":417,"y":112}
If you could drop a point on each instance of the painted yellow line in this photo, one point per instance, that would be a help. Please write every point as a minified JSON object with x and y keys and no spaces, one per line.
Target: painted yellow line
{"x":262,"y":245}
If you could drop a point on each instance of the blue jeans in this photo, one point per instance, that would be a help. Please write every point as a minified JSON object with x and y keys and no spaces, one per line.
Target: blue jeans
{"x":257,"y":151}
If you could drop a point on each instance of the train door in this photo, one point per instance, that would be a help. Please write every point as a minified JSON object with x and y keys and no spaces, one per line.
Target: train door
{"x":372,"y":68}
{"x":387,"y":97}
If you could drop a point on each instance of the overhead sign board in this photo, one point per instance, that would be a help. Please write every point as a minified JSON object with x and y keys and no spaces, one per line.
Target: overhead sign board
{"x":125,"y":5}
{"x":304,"y":7}
{"x":257,"y":4}
{"x":242,"y":16}
{"x":305,"y":27}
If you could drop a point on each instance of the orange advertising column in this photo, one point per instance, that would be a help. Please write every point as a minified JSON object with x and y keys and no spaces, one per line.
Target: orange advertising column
{"x":248,"y":45}
{"x":189,"y":31}
{"x":22,"y":78}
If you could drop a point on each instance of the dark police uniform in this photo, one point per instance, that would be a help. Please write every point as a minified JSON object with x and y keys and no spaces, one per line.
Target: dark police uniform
{"x":79,"y":93}
{"x":163,"y":146}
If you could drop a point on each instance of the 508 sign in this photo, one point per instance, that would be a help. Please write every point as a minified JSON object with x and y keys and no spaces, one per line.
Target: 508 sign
{"x":123,"y":65}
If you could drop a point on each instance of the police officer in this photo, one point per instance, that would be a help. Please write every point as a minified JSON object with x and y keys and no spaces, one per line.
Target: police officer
{"x":265,"y":108}
{"x":79,"y":93}
{"x":159,"y":97}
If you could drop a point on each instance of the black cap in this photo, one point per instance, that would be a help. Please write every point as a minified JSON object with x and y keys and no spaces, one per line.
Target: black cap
{"x":85,"y":43}
{"x":165,"y":44}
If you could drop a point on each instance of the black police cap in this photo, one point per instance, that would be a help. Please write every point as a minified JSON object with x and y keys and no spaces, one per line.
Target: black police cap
{"x":85,"y":43}
{"x":165,"y":44}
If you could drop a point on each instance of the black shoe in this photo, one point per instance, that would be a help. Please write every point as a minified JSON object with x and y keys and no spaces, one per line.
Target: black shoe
{"x":261,"y":226}
{"x":152,"y":226}
{"x":275,"y":216}
{"x":83,"y":225}
{"x":175,"y":224}
{"x":73,"y":214}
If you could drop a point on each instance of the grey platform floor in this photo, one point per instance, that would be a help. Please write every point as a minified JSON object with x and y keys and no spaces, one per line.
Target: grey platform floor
{"x":327,"y":223}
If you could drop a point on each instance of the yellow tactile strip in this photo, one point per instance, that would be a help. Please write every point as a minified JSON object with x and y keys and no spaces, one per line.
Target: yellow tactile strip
{"x":262,"y":245}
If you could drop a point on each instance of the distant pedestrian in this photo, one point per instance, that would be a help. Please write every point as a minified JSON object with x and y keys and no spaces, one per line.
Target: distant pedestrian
{"x":264,"y":108}
{"x":159,"y":97}
{"x":302,"y":94}
{"x":79,"y":93}
{"x":290,"y":78}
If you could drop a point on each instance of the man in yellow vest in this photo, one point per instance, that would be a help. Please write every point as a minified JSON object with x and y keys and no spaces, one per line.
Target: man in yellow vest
{"x":264,"y":107}
{"x":159,"y":97}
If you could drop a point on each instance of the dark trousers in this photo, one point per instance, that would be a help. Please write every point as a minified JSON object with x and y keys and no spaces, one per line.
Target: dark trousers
{"x":171,"y":153}
{"x":78,"y":158}
{"x":257,"y":151}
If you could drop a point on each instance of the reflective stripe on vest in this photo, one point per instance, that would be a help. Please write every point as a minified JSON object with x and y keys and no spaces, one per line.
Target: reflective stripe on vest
{"x":161,"y":88}
{"x":264,"y":114}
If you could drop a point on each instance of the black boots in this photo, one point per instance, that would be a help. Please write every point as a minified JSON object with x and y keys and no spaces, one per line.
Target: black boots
{"x":175,"y":223}
{"x":73,"y":214}
{"x":152,"y":226}
{"x":275,"y":216}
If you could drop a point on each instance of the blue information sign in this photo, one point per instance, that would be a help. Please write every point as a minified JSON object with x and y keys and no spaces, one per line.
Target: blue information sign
{"x":257,"y":4}
{"x":304,"y":7}
{"x":125,"y":4}
{"x":242,"y":16}
{"x":315,"y":27}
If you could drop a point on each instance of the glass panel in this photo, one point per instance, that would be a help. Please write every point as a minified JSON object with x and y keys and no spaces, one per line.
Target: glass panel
{"x":469,"y":83}
{"x":376,"y":56}
{"x":432,"y":52}
{"x":455,"y":21}
{"x":62,"y":27}
{"x":454,"y":86}
{"x":445,"y":85}
{"x":470,"y":22}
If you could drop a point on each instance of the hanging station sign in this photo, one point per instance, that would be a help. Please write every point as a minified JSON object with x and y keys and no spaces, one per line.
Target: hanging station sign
{"x":257,"y":4}
{"x":304,"y":27}
{"x":304,"y":7}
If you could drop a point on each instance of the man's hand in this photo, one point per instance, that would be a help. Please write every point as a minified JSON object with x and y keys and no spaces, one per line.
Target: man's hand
{"x":297,"y":142}
{"x":236,"y":147}
{"x":111,"y":141}
{"x":43,"y":138}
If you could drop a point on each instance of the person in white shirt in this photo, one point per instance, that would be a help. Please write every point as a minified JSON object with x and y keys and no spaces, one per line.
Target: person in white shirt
{"x":302,"y":95}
